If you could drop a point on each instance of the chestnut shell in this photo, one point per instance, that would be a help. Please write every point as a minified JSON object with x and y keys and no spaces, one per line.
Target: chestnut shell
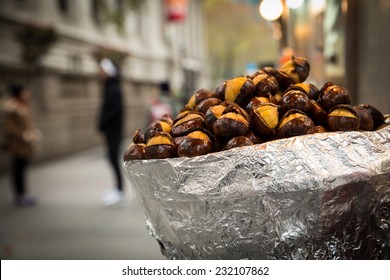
{"x":192,"y":147}
{"x":295,"y":99}
{"x":228,"y":127}
{"x":207,"y":103}
{"x":187,"y":126}
{"x":244,"y":94}
{"x":265,"y":84}
{"x":160,"y":151}
{"x":238,"y":141}
{"x":258,"y":123}
{"x":299,"y":125}
{"x":317,"y":113}
{"x":332,"y":95}
{"x":376,"y":115}
{"x":366,"y":120}
{"x":134,"y":152}
{"x":342,"y":123}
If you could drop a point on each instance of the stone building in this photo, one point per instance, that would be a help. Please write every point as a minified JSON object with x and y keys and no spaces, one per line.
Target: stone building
{"x":151,"y":49}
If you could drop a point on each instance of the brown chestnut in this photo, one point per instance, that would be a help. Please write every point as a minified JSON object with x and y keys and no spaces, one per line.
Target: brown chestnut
{"x":311,"y":90}
{"x":198,"y":97}
{"x":238,"y":141}
{"x":317,"y":113}
{"x":187,"y":124}
{"x":160,"y":146}
{"x":207,"y":103}
{"x":196,"y":143}
{"x":134,"y":151}
{"x":231,"y":124}
{"x":264,"y":84}
{"x":239,"y":90}
{"x":255,"y":101}
{"x":294,"y":123}
{"x":343,"y":118}
{"x":264,"y":119}
{"x":138,"y":137}
{"x":366,"y":120}
{"x":156,"y":127}
{"x":376,"y":115}
{"x":295,"y":99}
{"x":212,"y":114}
{"x":297,"y":68}
{"x":332,"y":95}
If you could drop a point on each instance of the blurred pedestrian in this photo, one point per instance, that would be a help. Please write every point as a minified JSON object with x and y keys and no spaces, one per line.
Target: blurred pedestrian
{"x":20,"y":138}
{"x":161,"y":105}
{"x":110,"y":124}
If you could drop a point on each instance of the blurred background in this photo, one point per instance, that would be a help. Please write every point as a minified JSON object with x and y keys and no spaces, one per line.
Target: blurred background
{"x":54,"y":47}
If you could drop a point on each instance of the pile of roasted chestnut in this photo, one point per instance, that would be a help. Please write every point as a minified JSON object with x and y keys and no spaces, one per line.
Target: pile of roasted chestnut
{"x":243,"y":111}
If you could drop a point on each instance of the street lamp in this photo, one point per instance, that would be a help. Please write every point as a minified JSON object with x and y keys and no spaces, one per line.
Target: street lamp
{"x":271,"y":9}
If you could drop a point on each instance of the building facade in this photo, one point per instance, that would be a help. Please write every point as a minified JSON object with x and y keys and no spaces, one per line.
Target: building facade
{"x":150,"y":47}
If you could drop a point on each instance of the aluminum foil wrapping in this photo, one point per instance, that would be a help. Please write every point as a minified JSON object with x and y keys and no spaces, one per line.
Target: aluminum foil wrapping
{"x":320,"y":196}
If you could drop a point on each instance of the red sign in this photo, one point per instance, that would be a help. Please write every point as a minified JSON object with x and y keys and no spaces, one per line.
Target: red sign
{"x":176,"y":10}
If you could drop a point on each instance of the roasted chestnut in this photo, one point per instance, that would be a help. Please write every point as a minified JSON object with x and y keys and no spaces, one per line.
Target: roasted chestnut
{"x":160,"y":146}
{"x":198,"y":97}
{"x":233,"y":107}
{"x":231,"y":124}
{"x":187,"y":124}
{"x":134,"y":151}
{"x":206,"y":104}
{"x":264,"y":84}
{"x":138,"y":137}
{"x":376,"y":115}
{"x":311,"y":90}
{"x":264,"y":119}
{"x":267,"y":70}
{"x":294,"y":123}
{"x":317,"y":113}
{"x":366,"y":120}
{"x":295,"y":99}
{"x":239,"y":90}
{"x":196,"y":143}
{"x":238,"y":141}
{"x":297,"y":68}
{"x":156,"y":127}
{"x":332,"y":95}
{"x":255,"y":101}
{"x":212,"y":114}
{"x":343,"y":118}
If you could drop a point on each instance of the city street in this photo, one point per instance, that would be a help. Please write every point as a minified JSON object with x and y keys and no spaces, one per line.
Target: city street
{"x":69,"y":221}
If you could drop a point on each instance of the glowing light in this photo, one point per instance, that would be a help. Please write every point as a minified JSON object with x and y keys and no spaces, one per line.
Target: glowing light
{"x":271,"y":9}
{"x":317,"y":6}
{"x":294,"y":4}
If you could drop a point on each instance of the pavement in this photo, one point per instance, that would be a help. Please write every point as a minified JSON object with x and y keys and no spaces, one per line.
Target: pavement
{"x":69,"y":222}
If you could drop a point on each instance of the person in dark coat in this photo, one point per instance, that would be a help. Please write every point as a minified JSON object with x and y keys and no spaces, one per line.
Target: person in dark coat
{"x":110,"y":124}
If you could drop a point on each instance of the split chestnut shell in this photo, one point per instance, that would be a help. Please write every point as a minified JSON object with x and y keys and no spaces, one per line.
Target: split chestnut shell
{"x":343,"y":118}
{"x":196,"y":143}
{"x":294,"y":123}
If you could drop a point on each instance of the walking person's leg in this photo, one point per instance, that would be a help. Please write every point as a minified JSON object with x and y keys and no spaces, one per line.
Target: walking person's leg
{"x":19,"y":168}
{"x":113,"y":140}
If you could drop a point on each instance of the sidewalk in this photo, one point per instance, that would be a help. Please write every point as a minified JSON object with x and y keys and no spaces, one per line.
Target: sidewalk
{"x":69,"y":221}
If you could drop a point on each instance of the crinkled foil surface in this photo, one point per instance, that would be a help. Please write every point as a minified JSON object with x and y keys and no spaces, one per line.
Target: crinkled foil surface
{"x":320,"y":196}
